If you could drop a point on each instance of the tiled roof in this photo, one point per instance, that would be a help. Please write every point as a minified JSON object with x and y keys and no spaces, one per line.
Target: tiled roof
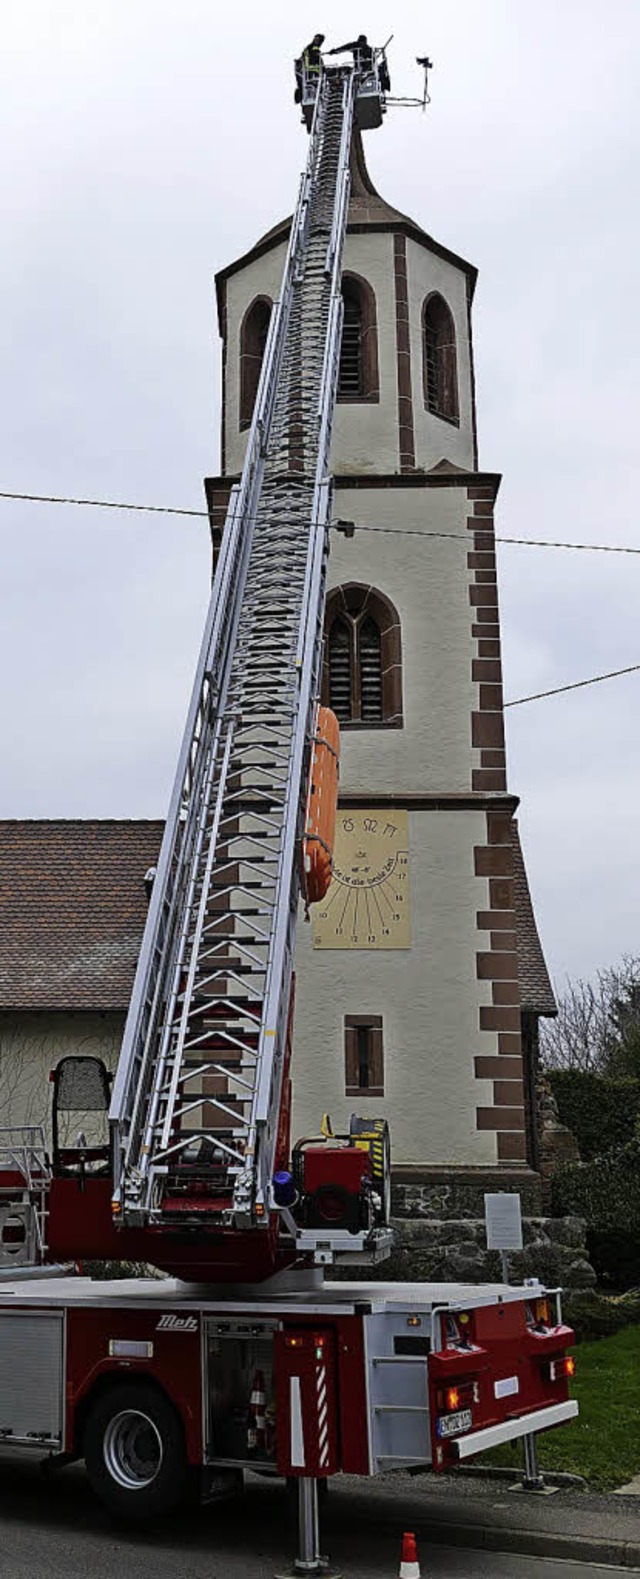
{"x":536,"y":992}
{"x":72,"y":910}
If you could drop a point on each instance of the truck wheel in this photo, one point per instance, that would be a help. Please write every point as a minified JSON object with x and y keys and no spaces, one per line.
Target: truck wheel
{"x":135,"y":1453}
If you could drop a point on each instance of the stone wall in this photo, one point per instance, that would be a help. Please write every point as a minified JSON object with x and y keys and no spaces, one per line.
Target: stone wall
{"x":454,"y":1250}
{"x":459,"y":1193}
{"x":438,"y":1221}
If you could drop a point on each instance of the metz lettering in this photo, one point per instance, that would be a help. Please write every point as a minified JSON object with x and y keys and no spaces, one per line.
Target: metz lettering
{"x":177,"y":1324}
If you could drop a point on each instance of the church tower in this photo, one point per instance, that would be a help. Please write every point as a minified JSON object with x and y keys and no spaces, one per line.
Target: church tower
{"x":419,"y":973}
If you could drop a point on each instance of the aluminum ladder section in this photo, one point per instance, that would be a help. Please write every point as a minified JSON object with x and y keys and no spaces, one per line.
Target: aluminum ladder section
{"x":198,"y":1088}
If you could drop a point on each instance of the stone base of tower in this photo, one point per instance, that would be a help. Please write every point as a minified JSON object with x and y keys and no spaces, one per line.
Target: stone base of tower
{"x":449,"y":1194}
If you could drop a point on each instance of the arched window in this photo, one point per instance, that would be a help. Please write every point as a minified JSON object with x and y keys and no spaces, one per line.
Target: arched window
{"x":439,"y":360}
{"x":253,"y":339}
{"x":362,"y":674}
{"x":358,"y":371}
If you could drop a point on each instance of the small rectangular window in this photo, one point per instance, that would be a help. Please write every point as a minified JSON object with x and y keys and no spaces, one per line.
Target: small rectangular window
{"x":363,"y":1055}
{"x":411,"y":1346}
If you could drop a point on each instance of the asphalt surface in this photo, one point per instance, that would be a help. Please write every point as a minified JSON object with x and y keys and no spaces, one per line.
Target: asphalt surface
{"x":53,"y":1528}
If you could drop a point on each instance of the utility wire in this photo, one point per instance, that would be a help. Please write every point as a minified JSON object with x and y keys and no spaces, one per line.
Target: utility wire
{"x":524,"y":542}
{"x":576,"y":685}
{"x":391,"y":531}
{"x":101,"y":504}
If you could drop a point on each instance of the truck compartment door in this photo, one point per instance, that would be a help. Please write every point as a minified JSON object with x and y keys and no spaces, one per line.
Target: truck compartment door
{"x":32,"y":1377}
{"x":306,"y":1401}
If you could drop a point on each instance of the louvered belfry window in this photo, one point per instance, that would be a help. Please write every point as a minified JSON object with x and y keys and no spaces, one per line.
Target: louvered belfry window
{"x":350,"y":381}
{"x":370,"y":654}
{"x":358,"y":377}
{"x":253,"y":339}
{"x":362,"y":677}
{"x":340,"y":669}
{"x":440,"y":366}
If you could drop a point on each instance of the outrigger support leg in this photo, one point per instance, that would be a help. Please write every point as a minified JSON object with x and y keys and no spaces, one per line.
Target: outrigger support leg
{"x":533,"y":1479}
{"x":308,"y":1561}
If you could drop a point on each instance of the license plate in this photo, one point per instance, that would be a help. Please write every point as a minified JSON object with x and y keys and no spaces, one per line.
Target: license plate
{"x":452,"y":1425}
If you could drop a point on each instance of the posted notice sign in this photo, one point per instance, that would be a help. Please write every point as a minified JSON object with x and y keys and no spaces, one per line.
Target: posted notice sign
{"x":503,"y":1218}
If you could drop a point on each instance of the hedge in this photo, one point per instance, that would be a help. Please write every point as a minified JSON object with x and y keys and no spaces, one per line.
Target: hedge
{"x":606,"y":1192}
{"x":601,"y":1112}
{"x":593,"y":1314}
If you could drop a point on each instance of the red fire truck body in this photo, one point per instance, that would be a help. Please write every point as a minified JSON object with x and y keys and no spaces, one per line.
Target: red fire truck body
{"x":149,"y":1378}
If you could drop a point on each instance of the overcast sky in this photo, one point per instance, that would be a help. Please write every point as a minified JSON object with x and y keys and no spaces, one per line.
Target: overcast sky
{"x":144,"y":145}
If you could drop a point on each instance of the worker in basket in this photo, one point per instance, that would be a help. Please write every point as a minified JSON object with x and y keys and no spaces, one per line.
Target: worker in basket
{"x":308,"y":65}
{"x":361,"y":51}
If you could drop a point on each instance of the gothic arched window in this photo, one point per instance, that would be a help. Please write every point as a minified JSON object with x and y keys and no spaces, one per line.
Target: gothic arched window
{"x":253,"y":339}
{"x":358,"y":369}
{"x":439,"y":360}
{"x":362,"y":674}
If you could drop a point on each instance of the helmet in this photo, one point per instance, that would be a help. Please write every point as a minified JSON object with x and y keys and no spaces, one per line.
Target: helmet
{"x":319,"y":38}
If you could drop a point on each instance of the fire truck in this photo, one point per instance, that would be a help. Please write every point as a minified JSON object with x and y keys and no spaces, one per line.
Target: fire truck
{"x":241,"y":1352}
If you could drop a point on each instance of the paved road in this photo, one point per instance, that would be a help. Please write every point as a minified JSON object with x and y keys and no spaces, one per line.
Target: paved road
{"x":55,"y":1529}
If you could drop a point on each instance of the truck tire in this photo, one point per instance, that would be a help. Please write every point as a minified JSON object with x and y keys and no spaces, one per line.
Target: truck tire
{"x":135,"y":1452}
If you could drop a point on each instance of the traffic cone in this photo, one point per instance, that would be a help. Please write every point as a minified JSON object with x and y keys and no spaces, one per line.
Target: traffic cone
{"x":257,"y":1405}
{"x":409,"y":1565}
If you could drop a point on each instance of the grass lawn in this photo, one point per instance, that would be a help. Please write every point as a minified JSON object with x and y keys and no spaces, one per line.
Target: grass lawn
{"x":603,"y":1444}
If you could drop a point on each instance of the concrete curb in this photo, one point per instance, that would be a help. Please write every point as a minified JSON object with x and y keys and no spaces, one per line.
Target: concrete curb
{"x":559,"y":1477}
{"x":528,"y":1543}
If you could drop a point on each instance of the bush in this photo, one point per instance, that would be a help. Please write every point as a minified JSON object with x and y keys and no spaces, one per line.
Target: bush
{"x":601,"y":1112}
{"x":614,"y":1254}
{"x":606,"y":1192}
{"x":596,"y":1315}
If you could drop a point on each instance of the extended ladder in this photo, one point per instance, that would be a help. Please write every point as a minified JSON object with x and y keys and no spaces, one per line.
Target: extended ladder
{"x":200,"y":1073}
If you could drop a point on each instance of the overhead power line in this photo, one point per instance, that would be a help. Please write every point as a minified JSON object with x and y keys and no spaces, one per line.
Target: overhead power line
{"x":391,"y":531}
{"x":523,"y":542}
{"x":100,"y":504}
{"x":576,"y":685}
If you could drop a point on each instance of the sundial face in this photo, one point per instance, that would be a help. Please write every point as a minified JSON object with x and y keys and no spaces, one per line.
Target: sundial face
{"x":367,"y":906}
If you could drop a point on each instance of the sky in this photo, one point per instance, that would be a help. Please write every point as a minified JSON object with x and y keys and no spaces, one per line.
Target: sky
{"x":144,"y":145}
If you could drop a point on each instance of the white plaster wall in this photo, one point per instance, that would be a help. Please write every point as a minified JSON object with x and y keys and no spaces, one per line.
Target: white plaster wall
{"x":428,"y":581}
{"x":365,"y":438}
{"x":260,"y":278}
{"x":435,"y":439}
{"x":30,"y":1047}
{"x":429,"y":998}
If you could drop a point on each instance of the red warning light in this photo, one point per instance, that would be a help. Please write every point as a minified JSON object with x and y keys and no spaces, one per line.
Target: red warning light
{"x":561,"y":1369}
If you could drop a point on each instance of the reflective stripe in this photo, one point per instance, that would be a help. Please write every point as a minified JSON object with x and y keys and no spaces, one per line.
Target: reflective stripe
{"x":539,"y":1420}
{"x":297,"y":1433}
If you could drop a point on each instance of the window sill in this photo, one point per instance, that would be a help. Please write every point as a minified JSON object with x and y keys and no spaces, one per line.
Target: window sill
{"x":364,"y":1091}
{"x":454,"y":422}
{"x":359,"y":400}
{"x":379,"y":723}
